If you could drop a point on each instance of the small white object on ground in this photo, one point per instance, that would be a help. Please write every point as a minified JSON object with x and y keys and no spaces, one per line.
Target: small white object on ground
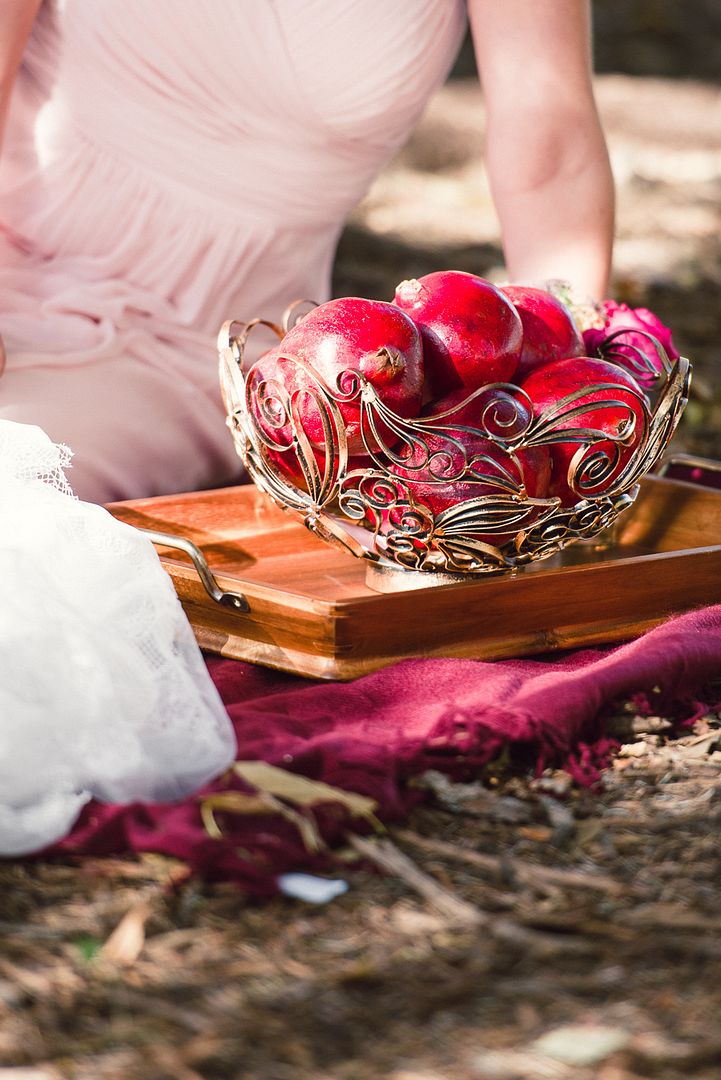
{"x":314,"y":890}
{"x":581,"y":1044}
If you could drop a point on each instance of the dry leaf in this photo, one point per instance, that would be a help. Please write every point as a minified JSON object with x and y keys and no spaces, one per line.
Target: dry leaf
{"x":125,"y":944}
{"x":633,"y":750}
{"x":232,"y":802}
{"x":273,"y":785}
{"x":302,"y":791}
{"x":702,"y":744}
{"x":540,"y":833}
{"x":238,"y":802}
{"x":581,"y":1044}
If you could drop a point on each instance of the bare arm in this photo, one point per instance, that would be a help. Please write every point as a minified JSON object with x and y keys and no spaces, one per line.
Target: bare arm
{"x":546,"y":155}
{"x":16,"y":20}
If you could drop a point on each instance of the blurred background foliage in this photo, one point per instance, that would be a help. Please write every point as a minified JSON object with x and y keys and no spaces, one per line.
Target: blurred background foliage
{"x":677,"y":39}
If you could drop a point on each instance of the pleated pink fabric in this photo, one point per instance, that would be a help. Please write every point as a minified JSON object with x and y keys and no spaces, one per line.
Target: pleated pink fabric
{"x":168,"y":165}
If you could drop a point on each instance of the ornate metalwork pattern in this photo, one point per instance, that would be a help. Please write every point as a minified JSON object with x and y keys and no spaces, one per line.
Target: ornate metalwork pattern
{"x":435,"y":493}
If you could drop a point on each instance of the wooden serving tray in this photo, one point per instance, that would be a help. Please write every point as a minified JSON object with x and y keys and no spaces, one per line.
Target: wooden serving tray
{"x":311,"y":611}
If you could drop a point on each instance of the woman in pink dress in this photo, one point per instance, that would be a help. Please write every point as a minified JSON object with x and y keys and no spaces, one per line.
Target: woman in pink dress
{"x":168,"y":165}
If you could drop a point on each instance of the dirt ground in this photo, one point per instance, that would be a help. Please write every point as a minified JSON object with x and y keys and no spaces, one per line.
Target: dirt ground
{"x":537,"y":932}
{"x":508,"y":916}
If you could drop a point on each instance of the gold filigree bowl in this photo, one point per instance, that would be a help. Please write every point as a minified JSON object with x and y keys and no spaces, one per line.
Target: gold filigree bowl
{"x":372,"y":506}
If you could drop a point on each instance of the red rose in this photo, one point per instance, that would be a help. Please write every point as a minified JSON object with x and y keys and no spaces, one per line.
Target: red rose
{"x":621,"y":317}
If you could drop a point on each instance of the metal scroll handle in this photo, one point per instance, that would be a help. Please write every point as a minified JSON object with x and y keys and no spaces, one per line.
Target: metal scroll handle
{"x":227,"y":599}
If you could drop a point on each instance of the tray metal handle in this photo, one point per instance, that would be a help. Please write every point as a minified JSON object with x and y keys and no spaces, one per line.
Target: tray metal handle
{"x":227,"y":599}
{"x":690,"y":461}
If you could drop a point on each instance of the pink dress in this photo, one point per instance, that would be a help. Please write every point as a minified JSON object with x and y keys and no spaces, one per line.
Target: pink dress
{"x":167,"y":166}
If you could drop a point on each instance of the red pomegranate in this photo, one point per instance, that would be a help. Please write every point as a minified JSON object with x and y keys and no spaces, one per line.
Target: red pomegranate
{"x":289,"y":466}
{"x":471,"y":332}
{"x":496,"y":412}
{"x":444,"y":474}
{"x":549,"y":330}
{"x":599,"y":411}
{"x":337,"y":339}
{"x":500,"y":415}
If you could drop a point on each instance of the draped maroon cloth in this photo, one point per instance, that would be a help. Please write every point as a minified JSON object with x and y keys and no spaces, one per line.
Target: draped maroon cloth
{"x":372,"y":736}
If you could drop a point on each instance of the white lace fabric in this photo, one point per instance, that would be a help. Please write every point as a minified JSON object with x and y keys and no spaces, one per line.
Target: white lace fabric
{"x":103,"y":690}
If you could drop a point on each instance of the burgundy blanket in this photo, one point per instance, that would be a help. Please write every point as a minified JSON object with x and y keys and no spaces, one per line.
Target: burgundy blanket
{"x":374,"y":735}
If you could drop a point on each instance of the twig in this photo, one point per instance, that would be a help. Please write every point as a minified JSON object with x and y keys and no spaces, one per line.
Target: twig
{"x":669,"y":917}
{"x":524,"y":872}
{"x":386,"y":856}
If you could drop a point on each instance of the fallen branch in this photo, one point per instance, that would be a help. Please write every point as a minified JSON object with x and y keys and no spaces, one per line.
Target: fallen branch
{"x":524,"y":872}
{"x":387,"y":857}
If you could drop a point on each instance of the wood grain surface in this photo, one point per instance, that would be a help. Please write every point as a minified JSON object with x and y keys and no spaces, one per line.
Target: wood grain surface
{"x":313,"y":612}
